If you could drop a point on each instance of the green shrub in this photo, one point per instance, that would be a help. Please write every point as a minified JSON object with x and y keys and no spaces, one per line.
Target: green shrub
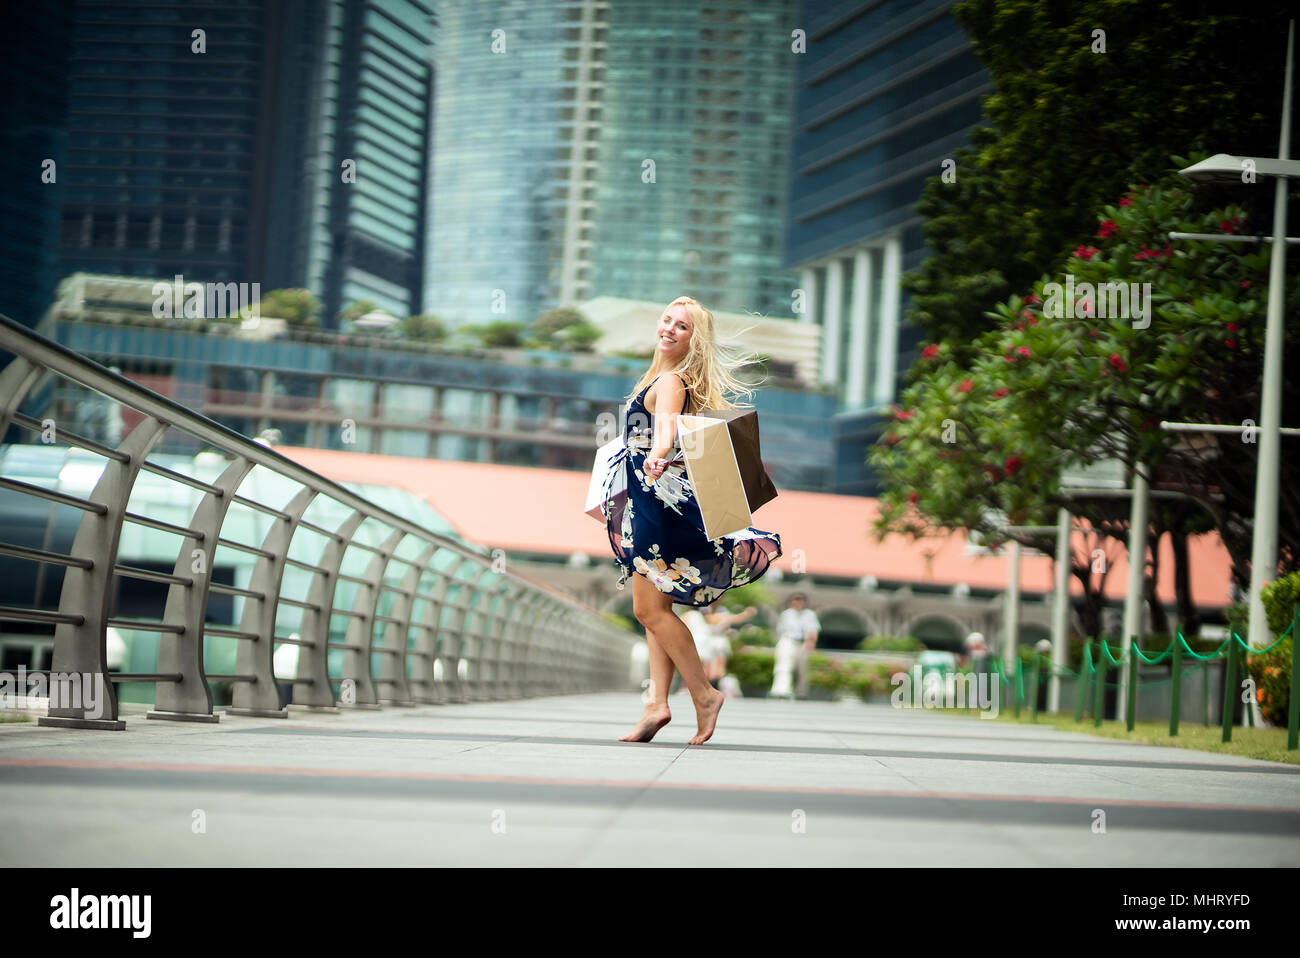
{"x":1272,"y":670}
{"x":891,"y":643}
{"x":750,"y":634}
{"x":827,"y":673}
{"x":753,"y":667}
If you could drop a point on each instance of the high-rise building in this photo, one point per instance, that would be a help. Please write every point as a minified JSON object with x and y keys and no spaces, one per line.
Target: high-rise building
{"x":165,"y":114}
{"x":33,"y":72}
{"x":585,"y":148}
{"x":692,"y":166}
{"x":282,"y":143}
{"x":351,"y":158}
{"x":885,"y":94}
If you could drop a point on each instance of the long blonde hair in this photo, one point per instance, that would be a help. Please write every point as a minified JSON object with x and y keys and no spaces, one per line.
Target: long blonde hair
{"x":708,"y":369}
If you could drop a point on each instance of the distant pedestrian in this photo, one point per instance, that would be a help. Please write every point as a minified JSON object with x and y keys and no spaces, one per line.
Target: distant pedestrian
{"x":714,"y":647}
{"x":796,"y":630}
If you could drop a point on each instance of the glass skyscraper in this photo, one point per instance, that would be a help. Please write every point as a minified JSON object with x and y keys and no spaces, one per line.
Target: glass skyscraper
{"x":163,"y":121}
{"x":33,"y":72}
{"x":886,"y":92}
{"x":546,"y":117}
{"x":351,"y":158}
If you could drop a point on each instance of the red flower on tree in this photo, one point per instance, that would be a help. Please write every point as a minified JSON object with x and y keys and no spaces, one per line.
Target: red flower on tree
{"x":1117,"y":362}
{"x":1085,"y":252}
{"x":965,"y":386}
{"x":930,"y":351}
{"x":913,"y":497}
{"x":1107,"y":228}
{"x":1023,"y":351}
{"x":1125,"y":201}
{"x":1001,"y":392}
{"x":1012,"y":464}
{"x":1232,"y":327}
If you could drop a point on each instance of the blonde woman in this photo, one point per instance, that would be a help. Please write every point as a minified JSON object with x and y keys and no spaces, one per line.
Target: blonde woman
{"x":657,"y":532}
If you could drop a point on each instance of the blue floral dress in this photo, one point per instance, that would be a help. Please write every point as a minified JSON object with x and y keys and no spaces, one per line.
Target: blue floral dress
{"x":657,"y":529}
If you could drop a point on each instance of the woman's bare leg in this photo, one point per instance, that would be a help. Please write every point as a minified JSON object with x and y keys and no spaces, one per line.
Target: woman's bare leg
{"x":654,"y":610}
{"x":656,"y":713}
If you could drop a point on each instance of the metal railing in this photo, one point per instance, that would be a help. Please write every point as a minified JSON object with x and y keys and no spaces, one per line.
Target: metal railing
{"x":483,"y":632}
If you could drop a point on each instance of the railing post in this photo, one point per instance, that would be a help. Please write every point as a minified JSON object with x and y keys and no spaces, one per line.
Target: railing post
{"x":256,"y":657}
{"x":563,"y":681}
{"x":1018,"y":691}
{"x":466,"y":589}
{"x":516,"y":640}
{"x":16,"y":380}
{"x":424,"y":654}
{"x":510,"y":594}
{"x":475,"y":629}
{"x":358,"y":644}
{"x":397,"y":635}
{"x":81,"y":649}
{"x":1176,"y":692}
{"x":534,"y":649}
{"x":313,"y":655}
{"x":190,"y":699}
{"x":435,"y":612}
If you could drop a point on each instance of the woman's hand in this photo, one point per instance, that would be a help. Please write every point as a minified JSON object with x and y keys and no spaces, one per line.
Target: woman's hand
{"x":655,"y":463}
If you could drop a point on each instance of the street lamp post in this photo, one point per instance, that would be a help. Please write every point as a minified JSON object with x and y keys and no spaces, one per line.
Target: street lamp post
{"x":1263,"y":553}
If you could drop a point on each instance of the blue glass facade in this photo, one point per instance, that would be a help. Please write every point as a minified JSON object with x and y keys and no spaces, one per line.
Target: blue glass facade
{"x":33,"y":73}
{"x":546,"y":117}
{"x":351,"y":157}
{"x":162,"y":123}
{"x":704,"y":90}
{"x":885,"y":93}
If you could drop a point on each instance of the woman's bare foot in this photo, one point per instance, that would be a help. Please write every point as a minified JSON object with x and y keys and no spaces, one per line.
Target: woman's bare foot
{"x":706,"y":716}
{"x":653,"y":719}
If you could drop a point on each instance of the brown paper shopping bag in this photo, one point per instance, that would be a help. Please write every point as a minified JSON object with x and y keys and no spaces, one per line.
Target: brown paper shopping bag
{"x":725,"y":467}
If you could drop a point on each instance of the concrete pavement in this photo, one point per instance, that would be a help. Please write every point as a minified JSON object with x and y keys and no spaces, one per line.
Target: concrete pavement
{"x":545,"y":782}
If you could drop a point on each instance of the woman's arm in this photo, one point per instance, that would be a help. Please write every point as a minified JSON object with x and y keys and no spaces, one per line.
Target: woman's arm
{"x":726,"y":619}
{"x":670,"y":394}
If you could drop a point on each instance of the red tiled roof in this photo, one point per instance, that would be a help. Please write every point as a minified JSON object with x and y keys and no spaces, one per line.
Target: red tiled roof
{"x":540,"y":510}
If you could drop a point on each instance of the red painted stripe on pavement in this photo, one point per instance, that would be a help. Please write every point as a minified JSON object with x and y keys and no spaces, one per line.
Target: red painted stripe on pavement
{"x":380,"y":774}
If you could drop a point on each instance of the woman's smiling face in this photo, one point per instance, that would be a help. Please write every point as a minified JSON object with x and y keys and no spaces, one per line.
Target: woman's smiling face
{"x":675,"y":330}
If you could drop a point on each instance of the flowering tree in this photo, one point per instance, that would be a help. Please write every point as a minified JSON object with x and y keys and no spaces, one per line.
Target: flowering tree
{"x":1132,"y":330}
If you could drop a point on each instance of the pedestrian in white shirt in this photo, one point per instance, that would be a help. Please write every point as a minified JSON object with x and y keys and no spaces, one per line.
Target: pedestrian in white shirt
{"x":796,"y":636}
{"x":707,"y":627}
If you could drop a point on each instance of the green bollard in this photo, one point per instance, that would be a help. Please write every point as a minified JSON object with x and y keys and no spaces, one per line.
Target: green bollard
{"x":1229,"y":687}
{"x":1293,"y":707}
{"x":1205,"y":690}
{"x":1081,"y":689}
{"x":1131,"y":705}
{"x":1176,"y":673}
{"x":1099,"y":704}
{"x":1033,"y":688}
{"x":1019,"y":691}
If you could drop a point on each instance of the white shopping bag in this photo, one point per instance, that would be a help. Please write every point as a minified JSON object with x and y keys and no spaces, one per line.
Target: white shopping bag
{"x":608,"y":479}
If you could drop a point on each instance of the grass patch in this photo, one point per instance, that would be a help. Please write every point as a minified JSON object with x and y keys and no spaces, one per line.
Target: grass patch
{"x":1267,"y":744}
{"x":13,"y":717}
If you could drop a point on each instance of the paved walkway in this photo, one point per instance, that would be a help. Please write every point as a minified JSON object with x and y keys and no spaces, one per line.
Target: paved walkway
{"x":545,"y":782}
